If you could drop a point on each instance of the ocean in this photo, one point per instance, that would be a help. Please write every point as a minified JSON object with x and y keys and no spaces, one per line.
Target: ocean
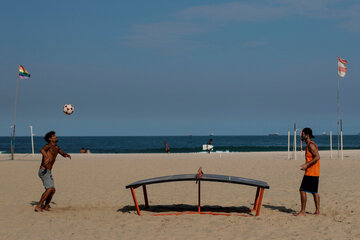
{"x":177,"y":144}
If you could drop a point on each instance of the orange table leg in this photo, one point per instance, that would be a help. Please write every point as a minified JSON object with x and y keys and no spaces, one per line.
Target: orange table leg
{"x":259,"y":203}
{"x":135,"y":201}
{"x":145,"y":197}
{"x":256,"y":199}
{"x":199,"y":196}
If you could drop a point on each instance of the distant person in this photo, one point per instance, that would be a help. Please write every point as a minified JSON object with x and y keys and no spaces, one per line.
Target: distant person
{"x":88,"y":150}
{"x":49,"y":153}
{"x":207,"y":145}
{"x":82,"y":150}
{"x":167,"y":149}
{"x":310,"y":182}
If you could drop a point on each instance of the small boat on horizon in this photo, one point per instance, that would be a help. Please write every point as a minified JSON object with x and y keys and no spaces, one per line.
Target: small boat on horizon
{"x":323,"y":133}
{"x":274,"y":134}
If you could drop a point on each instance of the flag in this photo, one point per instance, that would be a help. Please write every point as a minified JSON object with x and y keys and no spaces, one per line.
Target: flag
{"x":23,"y":74}
{"x":342,"y":69}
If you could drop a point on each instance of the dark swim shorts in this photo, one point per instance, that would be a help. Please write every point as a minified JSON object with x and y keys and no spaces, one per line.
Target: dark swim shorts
{"x":310,"y":184}
{"x":46,"y":178}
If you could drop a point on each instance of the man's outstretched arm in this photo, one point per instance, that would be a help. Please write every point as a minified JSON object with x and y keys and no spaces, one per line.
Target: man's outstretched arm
{"x":64,"y":154}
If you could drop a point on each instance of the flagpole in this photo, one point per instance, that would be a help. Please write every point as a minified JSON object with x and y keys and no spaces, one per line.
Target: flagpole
{"x":13,"y":135}
{"x":341,"y":141}
{"x":294,"y":141}
{"x":32,"y":140}
{"x":338,"y":117}
{"x":11,"y":138}
{"x":342,"y":69}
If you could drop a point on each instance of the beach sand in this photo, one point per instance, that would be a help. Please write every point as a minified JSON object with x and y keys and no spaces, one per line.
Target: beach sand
{"x":91,"y":201}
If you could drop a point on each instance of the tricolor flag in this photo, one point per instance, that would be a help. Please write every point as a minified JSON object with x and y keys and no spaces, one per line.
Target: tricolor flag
{"x":342,"y":69}
{"x":23,"y":74}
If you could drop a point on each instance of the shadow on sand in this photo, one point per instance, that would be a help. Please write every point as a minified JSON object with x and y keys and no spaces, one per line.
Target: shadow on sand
{"x":34,"y":203}
{"x":186,"y":208}
{"x":280,"y":208}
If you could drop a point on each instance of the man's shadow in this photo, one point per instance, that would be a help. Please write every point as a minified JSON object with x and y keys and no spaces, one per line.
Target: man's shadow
{"x":34,"y":203}
{"x":280,"y":208}
{"x":186,"y":208}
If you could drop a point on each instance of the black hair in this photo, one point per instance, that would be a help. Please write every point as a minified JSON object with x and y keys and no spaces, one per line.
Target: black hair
{"x":48,"y":136}
{"x":308,"y":131}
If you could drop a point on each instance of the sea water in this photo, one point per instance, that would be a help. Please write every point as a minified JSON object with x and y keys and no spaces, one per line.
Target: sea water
{"x":177,"y":144}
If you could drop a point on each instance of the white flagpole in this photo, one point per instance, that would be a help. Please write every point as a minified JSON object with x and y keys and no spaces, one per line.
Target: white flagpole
{"x":32,"y":140}
{"x":11,"y":138}
{"x":342,"y":146}
{"x":300,"y":131}
{"x":288,"y":144}
{"x":338,"y":117}
{"x":294,"y":141}
{"x":342,"y":69}
{"x":330,"y":144}
{"x":13,"y":135}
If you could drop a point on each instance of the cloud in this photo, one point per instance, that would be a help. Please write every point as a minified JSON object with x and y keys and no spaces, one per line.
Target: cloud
{"x":237,"y":11}
{"x":318,"y":8}
{"x":165,"y":34}
{"x":199,"y":20}
{"x":270,"y":10}
{"x":350,"y":18}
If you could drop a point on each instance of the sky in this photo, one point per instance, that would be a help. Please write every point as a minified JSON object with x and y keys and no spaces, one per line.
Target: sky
{"x":142,"y":68}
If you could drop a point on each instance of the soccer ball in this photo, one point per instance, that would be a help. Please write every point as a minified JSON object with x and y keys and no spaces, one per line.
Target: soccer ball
{"x":68,"y":109}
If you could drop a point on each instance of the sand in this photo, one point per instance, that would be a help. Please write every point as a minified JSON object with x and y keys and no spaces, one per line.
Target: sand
{"x":91,"y":201}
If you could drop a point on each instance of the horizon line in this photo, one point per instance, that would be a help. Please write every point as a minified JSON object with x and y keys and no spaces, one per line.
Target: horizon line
{"x":255,"y":135}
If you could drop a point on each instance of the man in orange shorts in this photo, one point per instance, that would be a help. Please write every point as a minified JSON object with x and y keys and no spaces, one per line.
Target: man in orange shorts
{"x":310,"y":182}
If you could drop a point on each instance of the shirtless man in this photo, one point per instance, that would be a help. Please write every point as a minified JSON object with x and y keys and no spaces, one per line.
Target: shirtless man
{"x":167,"y":149}
{"x":49,"y":153}
{"x":311,"y":167}
{"x":207,"y":145}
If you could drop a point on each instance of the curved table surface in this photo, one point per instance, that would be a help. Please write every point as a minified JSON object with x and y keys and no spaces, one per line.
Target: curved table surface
{"x":204,"y":177}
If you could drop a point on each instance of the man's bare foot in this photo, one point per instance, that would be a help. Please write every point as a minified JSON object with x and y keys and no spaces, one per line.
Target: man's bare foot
{"x":317,"y":212}
{"x":300,"y":214}
{"x":38,"y":209}
{"x":47,"y":208}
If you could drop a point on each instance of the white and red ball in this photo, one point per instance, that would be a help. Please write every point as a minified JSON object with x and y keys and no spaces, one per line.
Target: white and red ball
{"x":68,"y":109}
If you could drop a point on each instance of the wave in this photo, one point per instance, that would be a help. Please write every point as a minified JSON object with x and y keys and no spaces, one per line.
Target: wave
{"x":178,"y":144}
{"x":220,"y":149}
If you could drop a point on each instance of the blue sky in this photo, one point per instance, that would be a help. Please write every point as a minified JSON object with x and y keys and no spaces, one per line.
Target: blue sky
{"x":179,"y":67}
